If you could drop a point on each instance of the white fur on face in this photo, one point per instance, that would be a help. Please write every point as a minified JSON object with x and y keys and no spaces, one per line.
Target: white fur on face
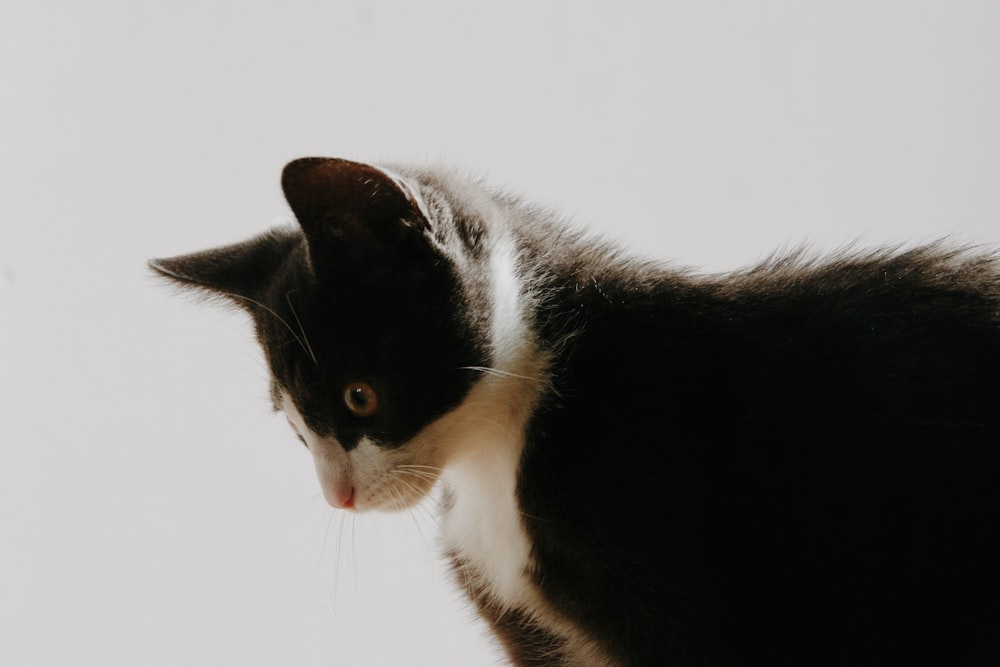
{"x":333,"y":467}
{"x":368,"y":477}
{"x":481,"y":439}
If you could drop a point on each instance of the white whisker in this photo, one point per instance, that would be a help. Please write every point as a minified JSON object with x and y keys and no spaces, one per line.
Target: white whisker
{"x":412,"y":496}
{"x":413,"y":515}
{"x":331,"y":596}
{"x":354,"y":552}
{"x":409,"y":466}
{"x":305,"y":339}
{"x":277,"y":317}
{"x":420,"y":474}
{"x":499,"y":373}
{"x":415,"y":490}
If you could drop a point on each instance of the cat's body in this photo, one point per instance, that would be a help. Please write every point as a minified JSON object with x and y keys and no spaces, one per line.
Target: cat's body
{"x":794,"y":465}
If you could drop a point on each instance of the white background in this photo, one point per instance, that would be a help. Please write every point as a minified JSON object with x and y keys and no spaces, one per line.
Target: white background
{"x":152,"y":510}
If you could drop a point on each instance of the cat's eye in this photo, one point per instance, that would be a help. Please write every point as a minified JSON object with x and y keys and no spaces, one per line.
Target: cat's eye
{"x":361,"y":399}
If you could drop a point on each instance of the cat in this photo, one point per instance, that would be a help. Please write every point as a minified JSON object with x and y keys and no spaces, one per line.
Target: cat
{"x":793,"y":464}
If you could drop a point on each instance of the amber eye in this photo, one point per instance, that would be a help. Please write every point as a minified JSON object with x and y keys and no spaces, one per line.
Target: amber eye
{"x":361,"y":399}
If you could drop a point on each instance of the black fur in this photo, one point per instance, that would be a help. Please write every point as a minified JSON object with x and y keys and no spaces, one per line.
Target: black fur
{"x":799,"y":465}
{"x":355,"y":295}
{"x":793,"y":465}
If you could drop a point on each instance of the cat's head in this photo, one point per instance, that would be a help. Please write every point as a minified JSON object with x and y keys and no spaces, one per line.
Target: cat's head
{"x":380,"y":317}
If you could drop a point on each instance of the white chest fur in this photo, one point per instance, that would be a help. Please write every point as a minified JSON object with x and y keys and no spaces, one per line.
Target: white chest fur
{"x":483,"y":526}
{"x":483,"y":523}
{"x":478,"y":446}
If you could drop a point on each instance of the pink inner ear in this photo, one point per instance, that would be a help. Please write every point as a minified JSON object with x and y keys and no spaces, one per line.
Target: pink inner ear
{"x":330,"y":195}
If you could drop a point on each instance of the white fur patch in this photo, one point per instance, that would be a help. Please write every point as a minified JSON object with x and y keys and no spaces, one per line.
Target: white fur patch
{"x":477,"y":449}
{"x":484,"y":525}
{"x":369,"y":476}
{"x":333,"y":467}
{"x":510,"y":335}
{"x":484,"y":440}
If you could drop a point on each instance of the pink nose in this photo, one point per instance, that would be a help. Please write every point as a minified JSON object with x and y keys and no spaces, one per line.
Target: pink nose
{"x":342,"y":498}
{"x":333,"y":470}
{"x":348,"y":502}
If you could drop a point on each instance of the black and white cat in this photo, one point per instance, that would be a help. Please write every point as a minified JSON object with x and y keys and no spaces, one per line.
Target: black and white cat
{"x":797,"y":464}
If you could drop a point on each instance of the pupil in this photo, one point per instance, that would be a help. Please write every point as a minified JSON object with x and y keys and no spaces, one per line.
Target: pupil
{"x":359,"y":397}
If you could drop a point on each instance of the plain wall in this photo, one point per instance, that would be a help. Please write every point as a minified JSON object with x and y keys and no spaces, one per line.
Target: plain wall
{"x":153,"y":511}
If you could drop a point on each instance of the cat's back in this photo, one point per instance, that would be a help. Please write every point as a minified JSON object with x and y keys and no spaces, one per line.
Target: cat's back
{"x":798,"y":464}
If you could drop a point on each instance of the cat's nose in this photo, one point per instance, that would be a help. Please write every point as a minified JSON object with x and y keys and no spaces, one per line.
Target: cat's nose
{"x":343,"y":502}
{"x":338,"y":491}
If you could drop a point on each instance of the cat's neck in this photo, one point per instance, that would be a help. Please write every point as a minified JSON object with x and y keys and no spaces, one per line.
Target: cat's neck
{"x":575,"y":279}
{"x":482,"y":439}
{"x":482,"y":523}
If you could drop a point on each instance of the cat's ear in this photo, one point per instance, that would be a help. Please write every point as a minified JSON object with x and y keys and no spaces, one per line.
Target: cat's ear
{"x":343,"y":202}
{"x":241,"y":272}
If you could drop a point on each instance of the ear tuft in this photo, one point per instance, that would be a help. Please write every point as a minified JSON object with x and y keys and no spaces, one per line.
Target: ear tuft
{"x":170,"y":267}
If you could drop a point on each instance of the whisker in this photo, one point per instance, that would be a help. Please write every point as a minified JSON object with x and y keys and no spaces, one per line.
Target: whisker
{"x":415,"y":465}
{"x":305,"y":339}
{"x":420,"y":494}
{"x":340,"y":546}
{"x":499,"y":373}
{"x":417,"y":491}
{"x":417,"y":500}
{"x":503,"y":427}
{"x":331,"y":597}
{"x":354,"y":552}
{"x":432,"y":473}
{"x":307,"y":500}
{"x":408,"y":500}
{"x":397,"y":497}
{"x":412,"y":513}
{"x":428,"y":473}
{"x":277,"y":317}
{"x":420,"y":531}
{"x":424,"y":474}
{"x":428,"y":514}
